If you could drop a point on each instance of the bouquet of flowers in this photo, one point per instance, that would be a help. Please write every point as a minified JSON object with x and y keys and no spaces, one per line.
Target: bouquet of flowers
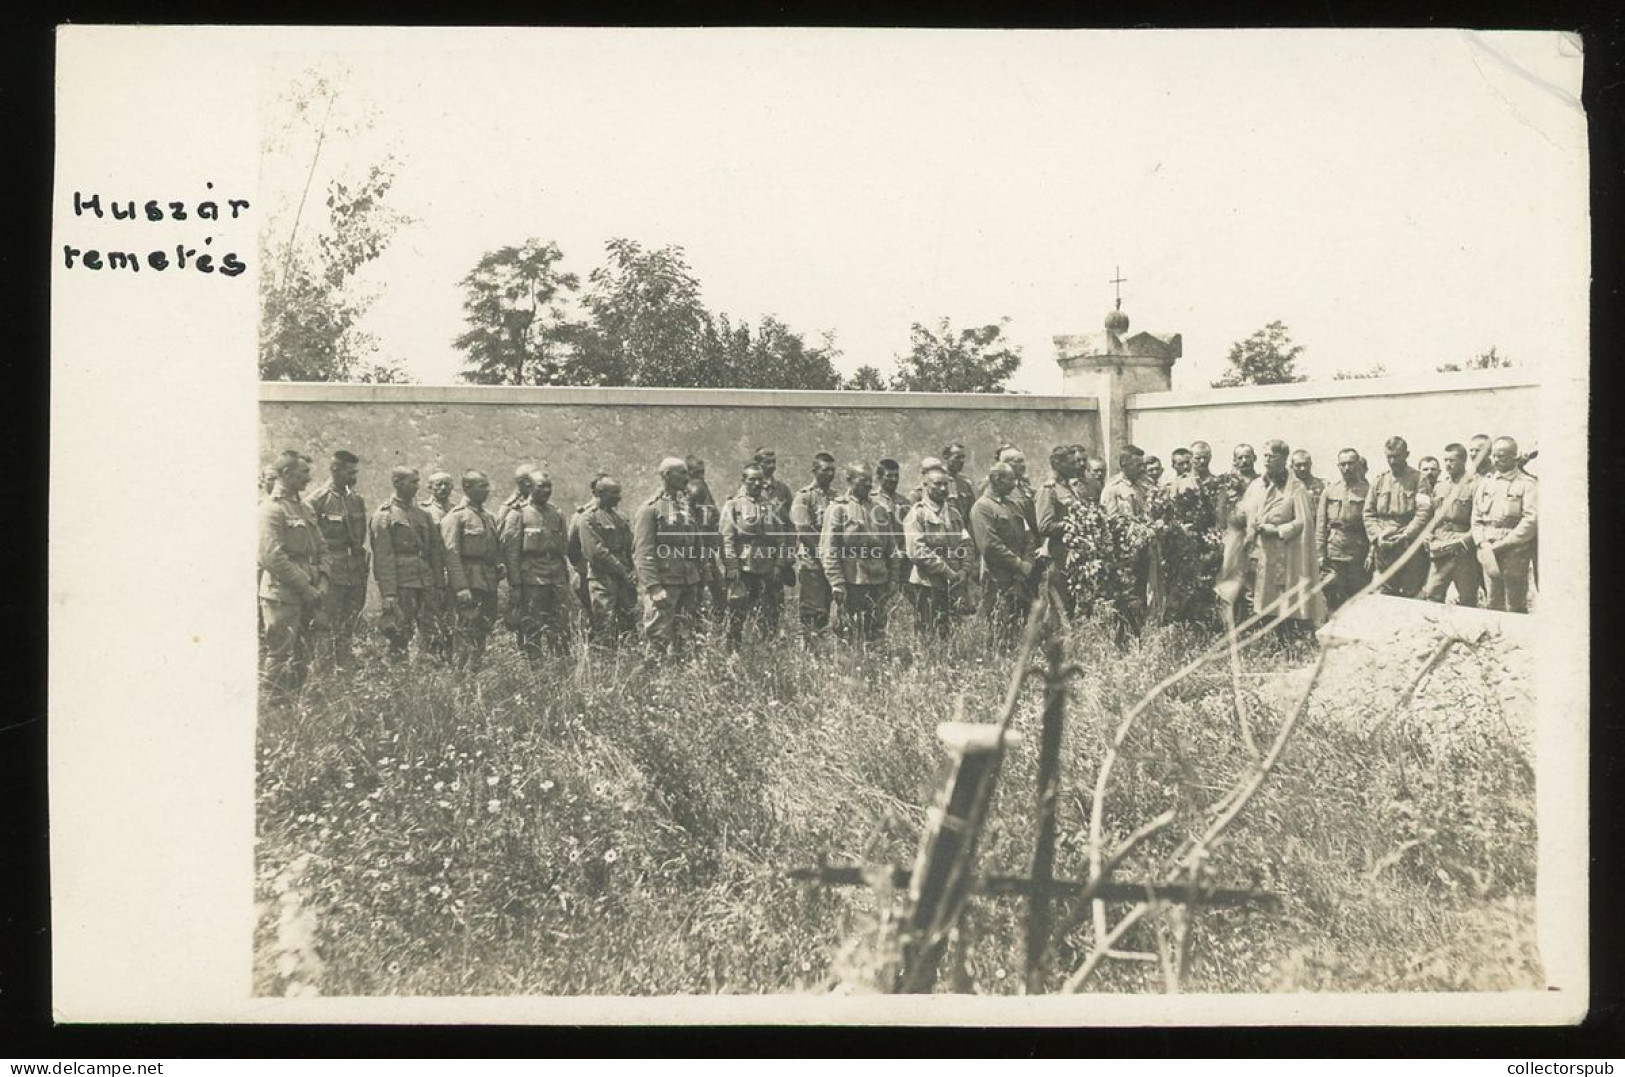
{"x":1101,"y":550}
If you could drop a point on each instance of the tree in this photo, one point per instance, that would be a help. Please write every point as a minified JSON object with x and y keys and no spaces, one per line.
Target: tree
{"x":773,"y":357}
{"x":977,"y":360}
{"x":646,"y":324}
{"x":519,"y":331}
{"x":867,"y":378}
{"x":1490,"y":360}
{"x":1376,"y":370}
{"x":311,"y":300}
{"x":1268,"y":357}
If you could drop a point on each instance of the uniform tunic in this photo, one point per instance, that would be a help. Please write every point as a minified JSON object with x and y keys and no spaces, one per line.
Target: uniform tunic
{"x":293,"y":569}
{"x":1396,"y":507}
{"x":1504,"y":511}
{"x":668,"y":548}
{"x":473,"y":551}
{"x":1340,"y":540}
{"x":1451,"y":554}
{"x":1283,"y":565}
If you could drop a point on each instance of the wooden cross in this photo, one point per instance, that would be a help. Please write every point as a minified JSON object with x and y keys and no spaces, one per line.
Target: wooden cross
{"x":1118,"y":281}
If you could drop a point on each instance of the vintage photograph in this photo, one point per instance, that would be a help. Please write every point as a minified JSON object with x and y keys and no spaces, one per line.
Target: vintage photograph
{"x":904,"y":532}
{"x":881,"y":515}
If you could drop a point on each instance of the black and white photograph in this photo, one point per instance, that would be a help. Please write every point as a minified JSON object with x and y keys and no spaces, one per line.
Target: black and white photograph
{"x":855,"y":526}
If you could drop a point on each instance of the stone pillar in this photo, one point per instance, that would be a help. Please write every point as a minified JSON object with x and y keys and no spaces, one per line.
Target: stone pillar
{"x":1111,"y":366}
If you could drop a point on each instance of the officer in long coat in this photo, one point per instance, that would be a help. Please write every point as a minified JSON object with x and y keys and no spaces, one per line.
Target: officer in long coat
{"x":1005,"y":544}
{"x":940,"y":554}
{"x":859,"y":552}
{"x":807,"y":514}
{"x":533,"y":548}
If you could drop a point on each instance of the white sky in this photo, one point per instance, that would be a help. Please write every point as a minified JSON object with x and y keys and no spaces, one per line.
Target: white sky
{"x":1404,"y":197}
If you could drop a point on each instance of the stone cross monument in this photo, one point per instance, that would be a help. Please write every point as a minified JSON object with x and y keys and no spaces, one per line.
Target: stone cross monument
{"x":1112,"y":365}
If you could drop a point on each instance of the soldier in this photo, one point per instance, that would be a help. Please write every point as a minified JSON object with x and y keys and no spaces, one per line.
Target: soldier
{"x":1395,"y":515}
{"x":1450,"y":547}
{"x":293,"y":576}
{"x":754,"y":551}
{"x":1201,"y":461}
{"x":859,"y":553}
{"x":667,"y":552}
{"x":533,"y":547}
{"x":960,"y":490}
{"x":1504,"y":527}
{"x":1243,"y":472}
{"x":1280,"y":540}
{"x":473,"y":551}
{"x":341,"y":516}
{"x":1340,"y":539}
{"x":440,"y":612}
{"x":606,"y":553}
{"x":807,"y":514}
{"x":928,"y":464}
{"x":1428,"y":469}
{"x":1153,"y":471}
{"x":888,"y":473}
{"x":267,"y":481}
{"x":523,"y":480}
{"x":572,"y":543}
{"x":1303,"y":469}
{"x":407,"y":556}
{"x":1478,"y":454}
{"x":1006,"y":546}
{"x":1183,"y":477}
{"x":1129,"y":494}
{"x":779,"y":496}
{"x":1062,"y":492}
{"x":939,"y":552}
{"x":1095,"y":473}
{"x":713,"y":588}
{"x":1023,"y":495}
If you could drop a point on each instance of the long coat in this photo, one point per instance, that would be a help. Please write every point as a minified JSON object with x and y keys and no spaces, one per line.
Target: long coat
{"x":1284,"y":563}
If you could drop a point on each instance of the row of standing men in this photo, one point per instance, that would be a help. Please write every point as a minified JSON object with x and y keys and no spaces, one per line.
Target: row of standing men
{"x":438,"y":566}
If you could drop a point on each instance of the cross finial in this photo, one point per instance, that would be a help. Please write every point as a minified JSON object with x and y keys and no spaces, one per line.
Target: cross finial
{"x":1117,"y":282}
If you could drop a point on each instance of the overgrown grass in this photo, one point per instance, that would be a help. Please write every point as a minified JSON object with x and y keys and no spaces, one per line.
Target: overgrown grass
{"x":594,"y":825}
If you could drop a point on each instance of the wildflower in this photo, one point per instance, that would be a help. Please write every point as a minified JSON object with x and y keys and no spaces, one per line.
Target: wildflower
{"x":492,"y":780}
{"x":600,"y":788}
{"x":349,"y":785}
{"x":444,"y":803}
{"x":575,"y":856}
{"x":394,"y":968}
{"x":547,"y":786}
{"x":493,"y":806}
{"x":438,"y":786}
{"x":612,"y":856}
{"x":998,"y":974}
{"x":434,"y":889}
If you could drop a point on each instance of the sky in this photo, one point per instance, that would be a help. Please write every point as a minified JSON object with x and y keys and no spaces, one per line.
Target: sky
{"x":1397,"y":197}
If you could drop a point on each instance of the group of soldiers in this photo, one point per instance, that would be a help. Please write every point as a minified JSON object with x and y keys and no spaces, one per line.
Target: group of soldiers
{"x":681,"y":558}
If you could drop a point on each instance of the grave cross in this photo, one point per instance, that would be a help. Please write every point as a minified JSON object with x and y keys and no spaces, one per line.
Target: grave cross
{"x":1118,"y":281}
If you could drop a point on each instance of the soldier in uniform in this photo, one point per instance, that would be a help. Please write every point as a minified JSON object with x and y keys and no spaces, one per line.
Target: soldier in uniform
{"x":341,"y":516}
{"x":1340,"y":539}
{"x":1504,"y":527}
{"x":667,"y":552}
{"x":939,"y":554}
{"x":293,"y":576}
{"x":807,"y":514}
{"x":960,"y":490}
{"x":572,"y":544}
{"x":1006,"y":546}
{"x":1396,"y":511}
{"x":606,"y":553}
{"x":888,"y":473}
{"x":859,"y":552}
{"x":779,"y":496}
{"x":1478,"y":454}
{"x":1023,"y":494}
{"x":713,"y":588}
{"x":473,"y":551}
{"x":1153,"y":471}
{"x":928,"y":464}
{"x":1063,"y":491}
{"x":407,"y":556}
{"x":533,"y":547}
{"x":1302,"y":466}
{"x":1201,"y":461}
{"x":1428,"y":469}
{"x":1182,"y":478}
{"x":1450,"y":547}
{"x":267,"y":481}
{"x":754,"y":552}
{"x":1129,"y":494}
{"x":523,"y":480}
{"x":440,"y":612}
{"x":1094,"y":473}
